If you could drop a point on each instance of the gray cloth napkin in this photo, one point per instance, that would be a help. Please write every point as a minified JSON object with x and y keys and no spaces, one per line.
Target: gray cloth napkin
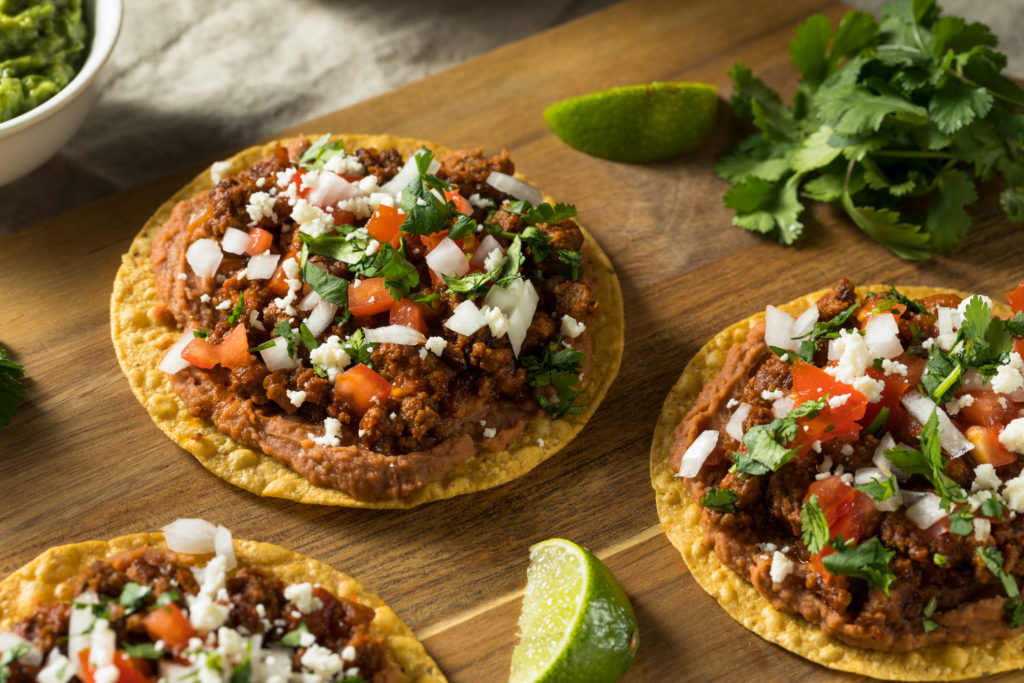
{"x":193,"y":79}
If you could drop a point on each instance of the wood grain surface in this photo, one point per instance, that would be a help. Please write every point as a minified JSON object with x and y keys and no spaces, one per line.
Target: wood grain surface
{"x":82,"y":460}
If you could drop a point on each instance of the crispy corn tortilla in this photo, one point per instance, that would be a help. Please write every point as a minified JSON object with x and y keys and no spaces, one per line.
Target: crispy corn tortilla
{"x":50,"y":577}
{"x":140,"y":342}
{"x":680,"y":519}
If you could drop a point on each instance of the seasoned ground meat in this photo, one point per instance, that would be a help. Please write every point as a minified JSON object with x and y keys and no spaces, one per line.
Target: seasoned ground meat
{"x":937,"y":574}
{"x":296,"y":335}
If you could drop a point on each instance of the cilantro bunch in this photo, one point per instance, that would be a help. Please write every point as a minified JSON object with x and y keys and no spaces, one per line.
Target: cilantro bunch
{"x":896,"y":120}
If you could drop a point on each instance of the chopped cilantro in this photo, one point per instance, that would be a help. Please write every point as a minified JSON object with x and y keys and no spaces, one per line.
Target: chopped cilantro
{"x":294,"y":637}
{"x":993,"y":507}
{"x":132,"y":596}
{"x":502,"y":275}
{"x":767,"y":444}
{"x":929,"y":463}
{"x":868,"y":561}
{"x":284,"y":331}
{"x":929,"y":607}
{"x":464,"y":225}
{"x":308,"y":340}
{"x":351,"y":248}
{"x":167,"y":597}
{"x":427,"y":298}
{"x":317,"y":155}
{"x":829,"y":329}
{"x":879,"y":490}
{"x":238,"y":311}
{"x":10,"y":656}
{"x":878,"y":423}
{"x":542,"y":213}
{"x":560,"y":368}
{"x":961,"y":521}
{"x":142,"y":650}
{"x":358,"y":349}
{"x":897,"y":297}
{"x":425,"y":213}
{"x":330,"y":287}
{"x":939,"y":560}
{"x":11,"y":390}
{"x":1015,"y":612}
{"x":992,"y":558}
{"x":814,"y":530}
{"x":928,"y":625}
{"x":722,"y":500}
{"x":201,"y":334}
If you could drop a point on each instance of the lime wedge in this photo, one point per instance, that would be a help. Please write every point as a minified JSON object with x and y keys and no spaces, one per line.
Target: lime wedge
{"x":577,"y":623}
{"x":636,"y":122}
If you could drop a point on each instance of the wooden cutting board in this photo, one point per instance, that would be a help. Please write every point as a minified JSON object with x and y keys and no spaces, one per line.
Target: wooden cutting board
{"x":82,"y":459}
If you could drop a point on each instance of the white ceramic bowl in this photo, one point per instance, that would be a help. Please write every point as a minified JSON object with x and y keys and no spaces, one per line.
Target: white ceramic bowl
{"x":28,"y":140}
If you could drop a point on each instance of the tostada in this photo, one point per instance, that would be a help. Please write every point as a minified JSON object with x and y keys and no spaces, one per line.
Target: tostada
{"x":366,"y":321}
{"x":193,"y":604}
{"x":843,"y":474}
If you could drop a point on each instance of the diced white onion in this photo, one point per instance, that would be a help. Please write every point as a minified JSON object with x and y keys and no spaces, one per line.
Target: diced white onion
{"x":329,"y":188}
{"x":204,"y":256}
{"x":735,"y":426}
{"x":805,"y":323}
{"x":10,"y":640}
{"x":921,"y":407}
{"x":487,"y":245}
{"x":321,"y":317}
{"x":521,"y":318}
{"x":778,"y":329}
{"x":447,"y":259}
{"x":223,"y":547}
{"x":262,"y":266}
{"x":926,"y":511}
{"x":276,"y":357}
{"x":882,"y":336}
{"x":191,"y":536}
{"x":503,"y":182}
{"x":235,"y":241}
{"x":80,"y":625}
{"x":395,"y":334}
{"x":505,"y":298}
{"x":697,"y":453}
{"x":406,"y":175}
{"x":172,"y":361}
{"x":973,"y":381}
{"x":310,"y":301}
{"x":782,"y":406}
{"x":881,"y":461}
{"x":466,"y":319}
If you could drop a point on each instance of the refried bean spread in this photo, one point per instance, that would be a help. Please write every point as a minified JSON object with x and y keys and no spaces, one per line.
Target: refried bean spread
{"x":373,"y":321}
{"x":860,"y":465}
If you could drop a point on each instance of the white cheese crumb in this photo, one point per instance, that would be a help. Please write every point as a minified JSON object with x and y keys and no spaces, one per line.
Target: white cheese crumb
{"x":1012,"y":436}
{"x":479,"y":202}
{"x":838,"y":401}
{"x":322,"y":662}
{"x":302,"y":595}
{"x":494,"y":259}
{"x":423,"y":353}
{"x":540,"y":442}
{"x":985,"y":478}
{"x":982,"y":529}
{"x":571,"y":327}
{"x":732,"y":403}
{"x":893,"y":367}
{"x":296,"y":397}
{"x":254,"y":321}
{"x":871,"y":388}
{"x":782,"y":567}
{"x":773,"y":395}
{"x":219,"y":171}
{"x":1013,"y":493}
{"x":348,"y":653}
{"x":372,"y":247}
{"x":312,"y":220}
{"x":332,"y":428}
{"x":496,"y":321}
{"x":1008,"y":378}
{"x":490,"y":433}
{"x":224,"y":305}
{"x":331,"y":357}
{"x":435,"y":345}
{"x":260,"y":182}
{"x":847,"y":449}
{"x":261,"y":205}
{"x":181,"y":276}
{"x":205,"y":298}
{"x":955,"y":405}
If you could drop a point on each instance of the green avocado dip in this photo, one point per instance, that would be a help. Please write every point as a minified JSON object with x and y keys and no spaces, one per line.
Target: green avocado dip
{"x":42,"y":47}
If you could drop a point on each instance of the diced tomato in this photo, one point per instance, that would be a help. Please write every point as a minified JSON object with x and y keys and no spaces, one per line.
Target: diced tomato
{"x":892,"y":392}
{"x":369,"y":297}
{"x":867,"y":309}
{"x":410,"y":314}
{"x":384,"y":225}
{"x":817,"y":561}
{"x":359,"y":387}
{"x":278,"y":282}
{"x":352,"y":177}
{"x":811,"y":383}
{"x":849,"y":512}
{"x":169,"y":624}
{"x":1018,"y":346}
{"x":1016,"y":298}
{"x":462,"y":204}
{"x":259,"y":241}
{"x":433,"y":239}
{"x":987,"y":447}
{"x":987,"y":409}
{"x":231,"y":352}
{"x":128,"y":669}
{"x":343,"y":218}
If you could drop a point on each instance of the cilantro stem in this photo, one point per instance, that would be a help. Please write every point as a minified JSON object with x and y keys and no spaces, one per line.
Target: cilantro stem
{"x":911,"y":154}
{"x":950,"y":380}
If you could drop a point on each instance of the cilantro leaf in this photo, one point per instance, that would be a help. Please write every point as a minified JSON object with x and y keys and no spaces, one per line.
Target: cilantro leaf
{"x":961,"y":522}
{"x":132,"y":596}
{"x":814,"y":530}
{"x":767,"y":444}
{"x":474,"y":284}
{"x":294,"y":637}
{"x":879,"y":490}
{"x":1015,"y":612}
{"x":329,"y":287}
{"x":425,"y":213}
{"x":317,"y":155}
{"x":11,"y":390}
{"x":947,"y":221}
{"x":238,"y":311}
{"x":142,"y":650}
{"x":464,"y":225}
{"x":929,"y":463}
{"x":560,"y":368}
{"x":542,"y":213}
{"x":308,"y":340}
{"x":993,"y":507}
{"x":722,"y":500}
{"x":992,"y":558}
{"x":868,"y":561}
{"x":284,"y":331}
{"x":829,"y":329}
{"x":358,"y":348}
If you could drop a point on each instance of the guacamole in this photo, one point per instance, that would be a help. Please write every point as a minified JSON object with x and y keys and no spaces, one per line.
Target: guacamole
{"x":42,"y":47}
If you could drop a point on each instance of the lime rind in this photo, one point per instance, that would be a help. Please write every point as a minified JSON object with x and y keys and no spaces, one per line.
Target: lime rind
{"x":577,"y":623}
{"x":636,"y":123}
